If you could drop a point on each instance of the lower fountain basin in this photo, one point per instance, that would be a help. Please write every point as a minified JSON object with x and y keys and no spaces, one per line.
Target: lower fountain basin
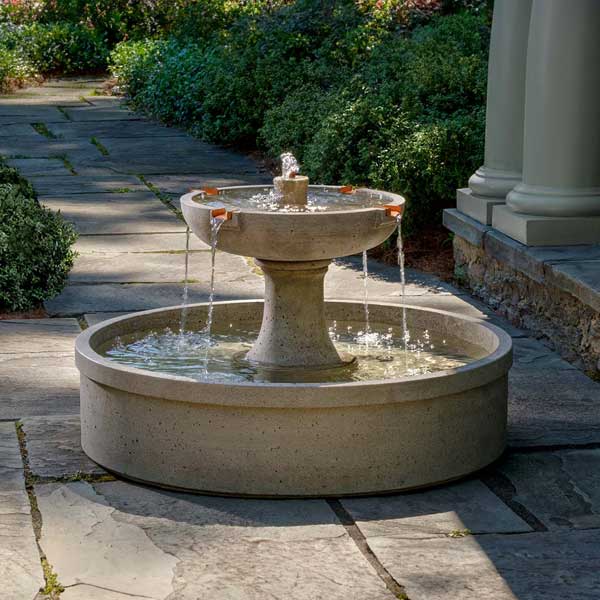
{"x":294,"y":439}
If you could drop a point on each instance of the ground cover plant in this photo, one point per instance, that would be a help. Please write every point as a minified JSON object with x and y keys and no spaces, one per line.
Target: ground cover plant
{"x":35,"y":246}
{"x":386,"y":93}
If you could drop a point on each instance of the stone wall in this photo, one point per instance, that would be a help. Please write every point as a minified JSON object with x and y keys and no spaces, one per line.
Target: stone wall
{"x":565,"y":323}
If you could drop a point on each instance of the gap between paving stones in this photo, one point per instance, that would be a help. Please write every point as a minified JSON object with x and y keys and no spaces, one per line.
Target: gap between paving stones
{"x":361,"y":543}
{"x":53,"y":588}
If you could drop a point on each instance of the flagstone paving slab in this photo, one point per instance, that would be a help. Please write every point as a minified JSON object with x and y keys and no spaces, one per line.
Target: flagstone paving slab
{"x":148,"y":542}
{"x":531,"y":354}
{"x":21,"y":336}
{"x":113,"y":129}
{"x":20,"y":130}
{"x":11,"y":463}
{"x":345,"y":280}
{"x":469,"y":505}
{"x":147,"y":242}
{"x":21,"y":575}
{"x":116,"y":215}
{"x":29,"y":112}
{"x":182,"y":184}
{"x":115,"y":297}
{"x":48,"y":148}
{"x":159,"y":268}
{"x":562,"y":489}
{"x":95,"y":318}
{"x":20,"y":569}
{"x":100,"y":113}
{"x":183,"y":155}
{"x":85,"y":184}
{"x":550,"y":407}
{"x":86,"y":543}
{"x":54,"y":447}
{"x":530,"y":566}
{"x":38,"y":384}
{"x":31,"y":167}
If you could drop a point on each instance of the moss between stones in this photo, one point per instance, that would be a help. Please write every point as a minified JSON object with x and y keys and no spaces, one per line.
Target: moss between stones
{"x":101,"y":148}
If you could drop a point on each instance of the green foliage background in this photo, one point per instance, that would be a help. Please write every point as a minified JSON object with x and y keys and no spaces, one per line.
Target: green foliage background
{"x":385,"y":93}
{"x":363,"y":92}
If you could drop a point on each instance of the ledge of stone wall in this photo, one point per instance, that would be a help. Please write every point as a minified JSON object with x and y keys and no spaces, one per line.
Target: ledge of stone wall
{"x":552,"y":292}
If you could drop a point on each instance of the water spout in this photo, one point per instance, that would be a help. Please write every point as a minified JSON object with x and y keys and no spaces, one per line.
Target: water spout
{"x":291,"y":187}
{"x":289,"y":166}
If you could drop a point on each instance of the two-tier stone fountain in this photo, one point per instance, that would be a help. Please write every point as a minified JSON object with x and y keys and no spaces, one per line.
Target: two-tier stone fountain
{"x":294,"y":396}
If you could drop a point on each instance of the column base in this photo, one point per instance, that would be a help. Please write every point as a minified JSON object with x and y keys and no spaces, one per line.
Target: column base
{"x":533,"y":230}
{"x":475,"y":206}
{"x":554,"y":201}
{"x":495,"y":183}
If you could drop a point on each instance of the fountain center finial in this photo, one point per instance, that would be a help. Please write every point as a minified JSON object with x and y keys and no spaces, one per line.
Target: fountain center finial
{"x":292,"y":188}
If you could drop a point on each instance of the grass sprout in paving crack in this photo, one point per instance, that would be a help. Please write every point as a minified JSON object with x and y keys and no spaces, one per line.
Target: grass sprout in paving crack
{"x":68,"y":164}
{"x":42,"y":129}
{"x":101,"y":148}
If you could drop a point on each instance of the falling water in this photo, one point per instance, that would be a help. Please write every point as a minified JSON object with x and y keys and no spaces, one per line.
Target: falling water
{"x":365,"y":261}
{"x":405,"y":332}
{"x":184,"y":309}
{"x":215,"y":225}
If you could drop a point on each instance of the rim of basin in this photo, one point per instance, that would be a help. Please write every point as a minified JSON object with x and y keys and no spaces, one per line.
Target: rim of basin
{"x":295,"y":395}
{"x":387,"y":198}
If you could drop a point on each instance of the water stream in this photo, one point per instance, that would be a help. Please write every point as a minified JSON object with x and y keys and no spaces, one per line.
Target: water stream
{"x":215,"y":225}
{"x":365,"y":265}
{"x":400,"y":246}
{"x":184,"y":299}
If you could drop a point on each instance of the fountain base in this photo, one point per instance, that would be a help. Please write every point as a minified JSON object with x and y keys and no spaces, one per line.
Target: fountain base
{"x":294,"y":439}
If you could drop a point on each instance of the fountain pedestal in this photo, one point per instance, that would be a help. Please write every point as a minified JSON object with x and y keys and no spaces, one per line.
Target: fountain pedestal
{"x":294,"y":329}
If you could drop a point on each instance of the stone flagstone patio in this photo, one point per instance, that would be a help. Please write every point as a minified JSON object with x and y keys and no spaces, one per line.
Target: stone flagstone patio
{"x":528,"y":528}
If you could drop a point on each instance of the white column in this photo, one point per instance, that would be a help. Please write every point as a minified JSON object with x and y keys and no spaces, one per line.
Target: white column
{"x":503,"y":159}
{"x":558,"y":201}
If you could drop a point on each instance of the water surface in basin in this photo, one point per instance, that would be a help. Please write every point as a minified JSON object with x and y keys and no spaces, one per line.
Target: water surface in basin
{"x":380,"y":353}
{"x":267,"y":199}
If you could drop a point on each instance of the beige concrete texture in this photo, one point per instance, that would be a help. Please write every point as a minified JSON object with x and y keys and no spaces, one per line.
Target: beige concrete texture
{"x":294,"y":329}
{"x":289,"y":236}
{"x":265,"y":439}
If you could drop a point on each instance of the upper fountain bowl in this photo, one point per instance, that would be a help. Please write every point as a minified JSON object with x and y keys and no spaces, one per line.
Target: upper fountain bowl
{"x":334,"y":221}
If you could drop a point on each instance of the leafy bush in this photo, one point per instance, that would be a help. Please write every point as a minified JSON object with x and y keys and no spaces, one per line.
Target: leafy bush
{"x":35,"y":246}
{"x":14,"y":70}
{"x":64,"y":48}
{"x":11,"y":176}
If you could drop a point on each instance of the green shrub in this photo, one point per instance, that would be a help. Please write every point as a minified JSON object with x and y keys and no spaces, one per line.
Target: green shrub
{"x":429,"y":163}
{"x":64,"y":48}
{"x":11,"y":176}
{"x":133,"y":62}
{"x":15,"y":68}
{"x":35,"y":247}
